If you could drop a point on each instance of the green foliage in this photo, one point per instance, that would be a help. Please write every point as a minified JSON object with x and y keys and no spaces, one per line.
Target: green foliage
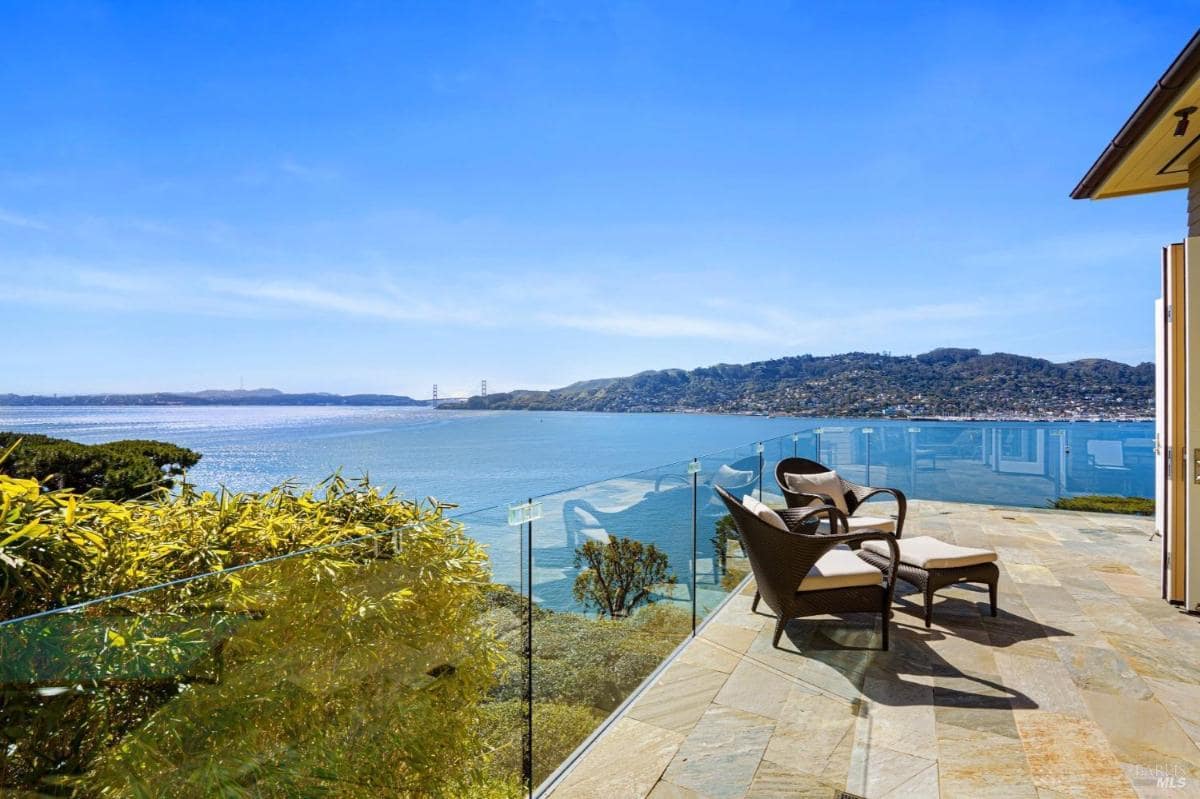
{"x":619,"y":575}
{"x":724,"y":531}
{"x":57,"y":547}
{"x":597,"y":662}
{"x":733,"y":577}
{"x":355,"y":670}
{"x":1101,"y":503}
{"x":118,"y":470}
{"x":583,"y":668}
{"x":559,"y":728}
{"x":369,"y":664}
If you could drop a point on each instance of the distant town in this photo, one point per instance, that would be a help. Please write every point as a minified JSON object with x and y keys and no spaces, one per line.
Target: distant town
{"x":943,"y":383}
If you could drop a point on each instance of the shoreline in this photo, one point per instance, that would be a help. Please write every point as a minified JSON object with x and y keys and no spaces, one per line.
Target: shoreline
{"x":677,"y":411}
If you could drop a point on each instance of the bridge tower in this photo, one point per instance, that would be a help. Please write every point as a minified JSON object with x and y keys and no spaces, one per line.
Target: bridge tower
{"x":483,"y":388}
{"x":434,"y":394}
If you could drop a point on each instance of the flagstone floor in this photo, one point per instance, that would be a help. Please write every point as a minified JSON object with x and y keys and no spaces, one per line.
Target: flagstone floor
{"x":1087,"y":684}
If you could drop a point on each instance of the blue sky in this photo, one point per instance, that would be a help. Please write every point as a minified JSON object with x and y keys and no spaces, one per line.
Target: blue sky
{"x":380,"y":196}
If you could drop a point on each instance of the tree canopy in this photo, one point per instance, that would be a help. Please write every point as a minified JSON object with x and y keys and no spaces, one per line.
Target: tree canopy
{"x":117,"y":470}
{"x":619,"y":575}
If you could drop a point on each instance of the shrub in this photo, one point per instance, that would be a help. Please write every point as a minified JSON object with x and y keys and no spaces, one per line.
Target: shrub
{"x":733,"y":577}
{"x":1100,"y":503}
{"x":559,"y":727}
{"x":58,"y":547}
{"x":583,"y":668}
{"x":117,"y":470}
{"x":352,"y":670}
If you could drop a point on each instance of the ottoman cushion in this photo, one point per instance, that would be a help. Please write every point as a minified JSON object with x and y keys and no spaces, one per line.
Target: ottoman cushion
{"x":927,"y":552}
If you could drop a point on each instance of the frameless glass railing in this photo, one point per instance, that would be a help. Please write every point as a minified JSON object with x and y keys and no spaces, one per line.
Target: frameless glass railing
{"x":999,"y":463}
{"x":404,"y":663}
{"x":368,"y":667}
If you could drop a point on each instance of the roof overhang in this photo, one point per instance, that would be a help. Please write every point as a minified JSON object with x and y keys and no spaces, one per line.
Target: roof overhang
{"x":1146,"y":155}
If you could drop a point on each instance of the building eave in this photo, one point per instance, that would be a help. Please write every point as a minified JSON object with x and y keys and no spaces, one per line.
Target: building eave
{"x":1184,"y":70}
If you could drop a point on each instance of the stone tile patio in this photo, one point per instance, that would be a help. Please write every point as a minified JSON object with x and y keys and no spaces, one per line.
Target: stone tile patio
{"x":1087,"y":684}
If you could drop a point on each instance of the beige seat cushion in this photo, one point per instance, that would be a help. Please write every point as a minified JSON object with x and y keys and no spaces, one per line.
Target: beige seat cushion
{"x":762,"y":511}
{"x":927,"y":552}
{"x":861,"y":524}
{"x":839,"y":568}
{"x":820,"y":483}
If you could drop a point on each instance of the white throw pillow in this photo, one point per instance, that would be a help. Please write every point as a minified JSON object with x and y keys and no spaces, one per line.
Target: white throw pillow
{"x":820,"y":483}
{"x":762,"y":511}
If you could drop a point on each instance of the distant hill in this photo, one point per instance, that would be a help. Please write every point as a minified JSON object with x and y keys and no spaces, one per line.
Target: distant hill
{"x":257,"y":396}
{"x":943,"y":382}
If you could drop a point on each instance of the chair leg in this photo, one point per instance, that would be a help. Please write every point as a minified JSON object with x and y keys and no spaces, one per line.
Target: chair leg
{"x":780,"y":623}
{"x":992,"y":595}
{"x":886,"y":621}
{"x":928,"y":608}
{"x":754,"y":604}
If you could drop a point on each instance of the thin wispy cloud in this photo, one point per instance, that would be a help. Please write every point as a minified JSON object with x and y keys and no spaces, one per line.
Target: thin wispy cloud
{"x":432,"y":305}
{"x":307,"y":172}
{"x":1083,"y":249}
{"x":20,"y":220}
{"x":655,"y":325}
{"x":383,"y":303}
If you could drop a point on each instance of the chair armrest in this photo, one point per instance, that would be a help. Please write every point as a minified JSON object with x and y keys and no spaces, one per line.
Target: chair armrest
{"x":897,"y":494}
{"x":794,"y":518}
{"x":893,"y":547}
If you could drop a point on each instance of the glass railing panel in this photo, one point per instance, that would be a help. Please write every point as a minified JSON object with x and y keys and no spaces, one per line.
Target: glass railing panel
{"x":721,"y":565}
{"x":613,"y":591}
{"x":1115,"y":459}
{"x":802,"y":443}
{"x":325,"y":672}
{"x":881,"y":456}
{"x":504,"y":726}
{"x":775,"y":450}
{"x":981,"y":462}
{"x":1001,"y":463}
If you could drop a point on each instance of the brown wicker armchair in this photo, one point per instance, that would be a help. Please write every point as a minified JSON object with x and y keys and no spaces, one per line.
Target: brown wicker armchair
{"x":783,"y":561}
{"x":853,"y":494}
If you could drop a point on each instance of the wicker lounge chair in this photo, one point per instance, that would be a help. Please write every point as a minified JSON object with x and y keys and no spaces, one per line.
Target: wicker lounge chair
{"x":800,"y":571}
{"x":801,"y":481}
{"x":925,"y":562}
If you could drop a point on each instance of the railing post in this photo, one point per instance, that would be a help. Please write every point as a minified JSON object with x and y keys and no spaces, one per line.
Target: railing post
{"x":694,"y":471}
{"x":523,"y":516}
{"x":867,"y":431}
{"x":527,"y":759}
{"x":759,"y":448}
{"x":912,"y":458}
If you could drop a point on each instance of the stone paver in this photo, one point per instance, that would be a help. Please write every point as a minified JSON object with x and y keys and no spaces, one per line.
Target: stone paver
{"x":1086,"y":684}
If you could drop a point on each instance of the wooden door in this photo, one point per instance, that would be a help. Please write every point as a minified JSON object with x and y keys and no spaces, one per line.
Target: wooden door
{"x":1173,"y":434}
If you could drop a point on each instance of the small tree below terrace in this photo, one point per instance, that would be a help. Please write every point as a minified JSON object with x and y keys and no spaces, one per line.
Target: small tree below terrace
{"x":619,"y":575}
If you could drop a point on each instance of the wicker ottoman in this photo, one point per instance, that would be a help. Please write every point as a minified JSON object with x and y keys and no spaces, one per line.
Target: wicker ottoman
{"x":930,"y":565}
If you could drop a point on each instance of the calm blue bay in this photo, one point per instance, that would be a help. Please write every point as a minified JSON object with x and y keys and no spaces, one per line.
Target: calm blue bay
{"x":477,"y":459}
{"x":473,"y":458}
{"x":596,"y":473}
